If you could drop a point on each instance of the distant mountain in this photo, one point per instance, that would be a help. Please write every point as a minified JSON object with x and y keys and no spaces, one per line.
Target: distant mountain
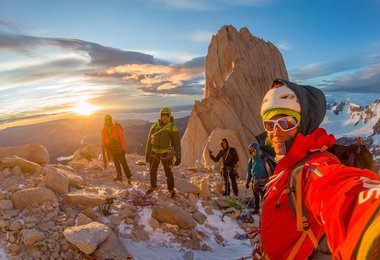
{"x":347,"y":120}
{"x":63,"y":137}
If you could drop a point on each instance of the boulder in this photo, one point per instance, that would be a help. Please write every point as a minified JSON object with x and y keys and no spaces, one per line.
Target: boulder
{"x":240,"y":69}
{"x":31,"y":236}
{"x":15,"y":161}
{"x":111,"y":248}
{"x":82,"y":219}
{"x":87,"y":237}
{"x":172,"y":214}
{"x":56,"y":181}
{"x":186,"y":187}
{"x":6,"y":204}
{"x":199,"y":217}
{"x":26,"y":197}
{"x":32,"y":152}
{"x":205,"y":191}
{"x":84,"y":200}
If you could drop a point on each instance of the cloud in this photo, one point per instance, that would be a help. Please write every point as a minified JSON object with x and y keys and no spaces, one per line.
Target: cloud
{"x":184,"y":78}
{"x":283,"y":45}
{"x":99,"y":55}
{"x":363,"y":81}
{"x":201,"y":36}
{"x":50,"y":75}
{"x":327,"y":68}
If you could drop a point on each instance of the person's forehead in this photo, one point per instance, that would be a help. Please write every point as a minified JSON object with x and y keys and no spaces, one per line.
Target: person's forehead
{"x":278,"y":116}
{"x":164,"y":115}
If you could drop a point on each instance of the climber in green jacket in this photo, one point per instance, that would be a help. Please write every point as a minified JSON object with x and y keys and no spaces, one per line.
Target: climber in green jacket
{"x":162,"y":145}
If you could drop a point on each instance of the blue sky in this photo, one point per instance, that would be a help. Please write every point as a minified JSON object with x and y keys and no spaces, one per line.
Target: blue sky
{"x":131,"y":57}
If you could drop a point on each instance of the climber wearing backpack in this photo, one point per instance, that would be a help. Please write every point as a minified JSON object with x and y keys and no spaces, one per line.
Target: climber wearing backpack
{"x":162,"y":145}
{"x":312,"y":197}
{"x":113,"y":144}
{"x":256,"y":175}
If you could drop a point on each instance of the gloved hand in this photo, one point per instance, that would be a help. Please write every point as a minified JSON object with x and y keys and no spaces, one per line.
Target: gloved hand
{"x":177,"y":161}
{"x":209,"y":152}
{"x":247,"y":185}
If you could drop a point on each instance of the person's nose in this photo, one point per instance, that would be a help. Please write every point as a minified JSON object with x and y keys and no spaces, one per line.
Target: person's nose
{"x":277,"y":130}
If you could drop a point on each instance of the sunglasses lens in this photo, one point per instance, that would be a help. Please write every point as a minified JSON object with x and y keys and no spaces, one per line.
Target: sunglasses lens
{"x":269,"y":125}
{"x":286,"y":123}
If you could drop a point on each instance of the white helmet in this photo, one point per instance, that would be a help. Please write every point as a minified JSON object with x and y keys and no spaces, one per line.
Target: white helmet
{"x":280,"y":96}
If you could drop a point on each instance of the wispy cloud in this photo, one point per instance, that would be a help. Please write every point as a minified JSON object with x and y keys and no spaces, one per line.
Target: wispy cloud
{"x":173,"y":79}
{"x":201,"y":36}
{"x":356,"y":72}
{"x":363,"y":81}
{"x":283,"y":45}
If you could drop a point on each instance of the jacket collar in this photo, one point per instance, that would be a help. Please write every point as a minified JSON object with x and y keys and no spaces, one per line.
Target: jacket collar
{"x":318,"y":140}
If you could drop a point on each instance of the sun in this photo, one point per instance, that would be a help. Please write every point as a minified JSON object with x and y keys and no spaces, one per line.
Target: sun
{"x":84,"y":109}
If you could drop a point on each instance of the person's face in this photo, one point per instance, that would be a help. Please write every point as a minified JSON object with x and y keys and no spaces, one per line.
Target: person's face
{"x":165,"y":119}
{"x":108,"y":122}
{"x":279,"y":136}
{"x":224,"y":145}
{"x":252,"y":151}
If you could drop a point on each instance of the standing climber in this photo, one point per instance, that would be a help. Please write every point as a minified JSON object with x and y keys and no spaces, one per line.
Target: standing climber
{"x":230,"y":159}
{"x":113,"y":143}
{"x":257,"y":176}
{"x":162,"y":145}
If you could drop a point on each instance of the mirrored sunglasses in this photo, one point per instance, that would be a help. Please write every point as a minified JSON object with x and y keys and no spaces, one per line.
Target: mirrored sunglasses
{"x":285,"y":123}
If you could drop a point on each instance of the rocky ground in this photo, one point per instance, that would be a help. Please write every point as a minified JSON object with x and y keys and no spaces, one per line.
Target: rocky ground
{"x":76,"y":211}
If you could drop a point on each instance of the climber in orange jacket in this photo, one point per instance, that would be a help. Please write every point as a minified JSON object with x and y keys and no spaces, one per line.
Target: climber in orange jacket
{"x":312,"y":200}
{"x":113,"y":144}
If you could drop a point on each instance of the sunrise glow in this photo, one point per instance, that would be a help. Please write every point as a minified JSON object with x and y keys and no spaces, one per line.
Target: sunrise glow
{"x":85,"y":109}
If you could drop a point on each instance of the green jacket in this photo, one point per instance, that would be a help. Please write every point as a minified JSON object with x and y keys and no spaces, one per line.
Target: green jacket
{"x":162,"y":138}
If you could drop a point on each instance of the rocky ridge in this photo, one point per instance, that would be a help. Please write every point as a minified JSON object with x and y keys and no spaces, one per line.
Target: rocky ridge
{"x":76,"y":211}
{"x":239,"y":70}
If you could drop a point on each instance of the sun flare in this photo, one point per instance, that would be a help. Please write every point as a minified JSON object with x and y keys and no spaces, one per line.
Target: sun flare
{"x":84,"y":109}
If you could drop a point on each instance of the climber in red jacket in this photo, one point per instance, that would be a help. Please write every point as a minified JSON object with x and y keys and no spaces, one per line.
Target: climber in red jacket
{"x":113,"y":144}
{"x":313,"y":202}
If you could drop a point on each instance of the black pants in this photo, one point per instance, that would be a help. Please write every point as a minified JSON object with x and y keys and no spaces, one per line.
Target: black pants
{"x":229,"y":176}
{"x":120,"y":161}
{"x":258,"y":193}
{"x":156,"y":159}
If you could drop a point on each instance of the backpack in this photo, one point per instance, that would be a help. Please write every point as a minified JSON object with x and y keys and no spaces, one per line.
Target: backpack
{"x":353,"y":155}
{"x":115,"y":144}
{"x":267,"y":154}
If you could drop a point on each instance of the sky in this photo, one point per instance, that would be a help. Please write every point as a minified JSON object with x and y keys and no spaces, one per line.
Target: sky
{"x":132,"y":57}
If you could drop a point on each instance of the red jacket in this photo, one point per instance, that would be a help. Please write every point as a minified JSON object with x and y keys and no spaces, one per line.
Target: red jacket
{"x":324,"y":201}
{"x":116,"y":134}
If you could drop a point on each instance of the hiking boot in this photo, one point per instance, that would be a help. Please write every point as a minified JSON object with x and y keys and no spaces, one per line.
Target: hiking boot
{"x":171,"y":194}
{"x":225,"y":194}
{"x":129,"y":182}
{"x":117,"y":178}
{"x":151,"y":190}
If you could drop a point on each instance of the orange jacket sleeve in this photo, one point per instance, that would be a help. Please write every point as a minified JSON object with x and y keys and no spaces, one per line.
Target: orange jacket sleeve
{"x":344,"y":201}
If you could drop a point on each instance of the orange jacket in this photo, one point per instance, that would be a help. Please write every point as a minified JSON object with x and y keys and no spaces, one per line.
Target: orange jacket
{"x":325,"y":183}
{"x":116,"y":134}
